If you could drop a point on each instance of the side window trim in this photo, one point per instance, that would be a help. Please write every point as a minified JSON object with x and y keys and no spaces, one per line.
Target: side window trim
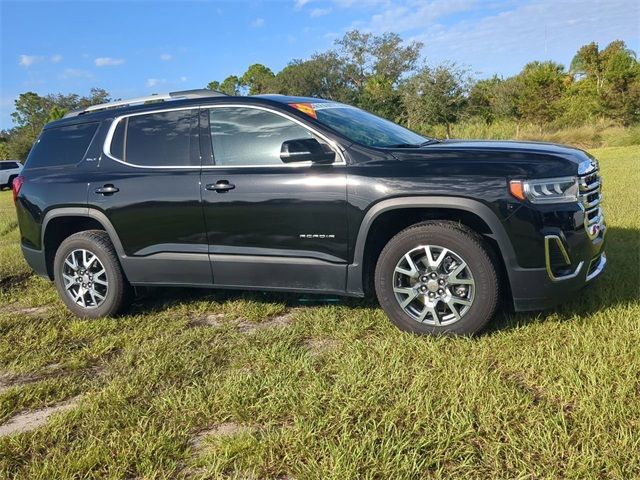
{"x":106,"y":148}
{"x":334,"y":146}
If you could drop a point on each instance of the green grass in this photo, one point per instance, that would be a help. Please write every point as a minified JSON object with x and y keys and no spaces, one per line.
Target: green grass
{"x":332,"y":391}
{"x":599,"y":134}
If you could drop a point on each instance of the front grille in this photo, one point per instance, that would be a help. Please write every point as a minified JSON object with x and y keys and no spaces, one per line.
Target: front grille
{"x":590,"y":196}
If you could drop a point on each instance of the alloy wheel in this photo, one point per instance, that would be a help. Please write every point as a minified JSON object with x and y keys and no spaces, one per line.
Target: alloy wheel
{"x":433,"y":285}
{"x":85,"y":278}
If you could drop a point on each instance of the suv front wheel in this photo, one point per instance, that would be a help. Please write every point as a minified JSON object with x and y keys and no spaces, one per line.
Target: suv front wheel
{"x":88,"y":275}
{"x":437,"y":277}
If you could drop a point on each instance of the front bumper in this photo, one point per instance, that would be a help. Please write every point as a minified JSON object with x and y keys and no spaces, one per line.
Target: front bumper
{"x":540,"y":288}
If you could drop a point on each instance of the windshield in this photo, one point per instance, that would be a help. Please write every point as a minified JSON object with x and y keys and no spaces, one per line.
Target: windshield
{"x":361,"y":126}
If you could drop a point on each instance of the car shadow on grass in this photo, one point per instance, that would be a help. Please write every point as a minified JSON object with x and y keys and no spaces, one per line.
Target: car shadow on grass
{"x":620,"y":284}
{"x":150,"y":300}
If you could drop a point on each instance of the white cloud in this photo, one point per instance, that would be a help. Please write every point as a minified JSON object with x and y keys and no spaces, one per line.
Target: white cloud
{"x":301,"y":3}
{"x":404,"y":16}
{"x":184,"y":78}
{"x":257,"y":23}
{"x":108,"y":61}
{"x":372,"y":3}
{"x":541,"y":29}
{"x":318,"y":12}
{"x":28,"y":60}
{"x":75,"y":73}
{"x":499,"y":35}
{"x":56,"y":58}
{"x":153,"y":82}
{"x":331,"y":35}
{"x":165,"y":57}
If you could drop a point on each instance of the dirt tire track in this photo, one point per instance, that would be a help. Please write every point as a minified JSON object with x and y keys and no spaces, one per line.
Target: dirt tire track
{"x":28,"y":421}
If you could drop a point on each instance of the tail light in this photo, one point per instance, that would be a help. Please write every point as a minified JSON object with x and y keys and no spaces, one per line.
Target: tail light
{"x":16,"y":185}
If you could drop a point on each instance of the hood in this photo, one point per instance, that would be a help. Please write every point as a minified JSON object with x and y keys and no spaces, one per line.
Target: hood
{"x":512,"y":146}
{"x":559,"y":158}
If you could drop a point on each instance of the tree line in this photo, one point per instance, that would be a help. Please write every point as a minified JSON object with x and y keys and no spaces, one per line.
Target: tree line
{"x":387,"y":76}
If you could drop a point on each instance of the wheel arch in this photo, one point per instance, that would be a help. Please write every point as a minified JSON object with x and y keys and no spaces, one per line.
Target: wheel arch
{"x":59,"y":223}
{"x":393,"y":215}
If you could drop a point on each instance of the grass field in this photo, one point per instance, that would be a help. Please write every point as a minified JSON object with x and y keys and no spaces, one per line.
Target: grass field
{"x":229,"y":385}
{"x":595,"y":135}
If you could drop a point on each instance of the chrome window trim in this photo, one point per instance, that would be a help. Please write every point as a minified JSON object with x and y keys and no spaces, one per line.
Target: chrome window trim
{"x":106,"y":147}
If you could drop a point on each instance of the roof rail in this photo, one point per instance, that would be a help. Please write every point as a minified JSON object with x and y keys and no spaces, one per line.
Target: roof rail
{"x":164,"y":97}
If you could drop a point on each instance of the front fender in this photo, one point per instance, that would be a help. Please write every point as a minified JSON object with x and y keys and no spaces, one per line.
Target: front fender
{"x":498,"y":233}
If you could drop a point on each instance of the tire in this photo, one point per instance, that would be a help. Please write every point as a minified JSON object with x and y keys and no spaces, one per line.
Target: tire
{"x":470,"y":287}
{"x":117,"y":292}
{"x":9,"y":184}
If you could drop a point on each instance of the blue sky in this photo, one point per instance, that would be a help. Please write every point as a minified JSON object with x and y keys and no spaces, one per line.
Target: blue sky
{"x":140,"y":47}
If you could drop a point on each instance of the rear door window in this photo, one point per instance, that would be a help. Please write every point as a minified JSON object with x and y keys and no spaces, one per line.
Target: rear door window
{"x":62,"y":145}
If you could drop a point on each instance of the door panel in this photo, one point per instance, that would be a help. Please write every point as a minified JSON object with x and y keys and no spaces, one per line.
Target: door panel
{"x":273,"y":214}
{"x":280,"y":226}
{"x":268,"y":212}
{"x":156,"y":212}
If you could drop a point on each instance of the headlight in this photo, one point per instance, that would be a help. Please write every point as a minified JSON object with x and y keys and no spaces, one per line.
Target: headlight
{"x":548,"y":190}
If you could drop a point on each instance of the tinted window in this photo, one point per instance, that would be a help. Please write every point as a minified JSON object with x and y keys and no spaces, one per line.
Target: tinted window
{"x":117,"y":142}
{"x":249,"y":136}
{"x":61,"y":145}
{"x":364,"y":127}
{"x":160,"y":139}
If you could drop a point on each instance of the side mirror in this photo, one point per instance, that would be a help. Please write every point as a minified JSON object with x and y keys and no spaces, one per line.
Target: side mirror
{"x":306,"y":150}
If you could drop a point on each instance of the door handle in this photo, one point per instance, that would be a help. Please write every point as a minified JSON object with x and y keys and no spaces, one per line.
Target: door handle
{"x":220,"y":186}
{"x":107,"y":190}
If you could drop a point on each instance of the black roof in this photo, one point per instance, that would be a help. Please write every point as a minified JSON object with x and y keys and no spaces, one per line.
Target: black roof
{"x":99,"y":115}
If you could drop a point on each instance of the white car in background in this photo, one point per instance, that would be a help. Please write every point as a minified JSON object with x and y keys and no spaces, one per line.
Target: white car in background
{"x":9,"y":169}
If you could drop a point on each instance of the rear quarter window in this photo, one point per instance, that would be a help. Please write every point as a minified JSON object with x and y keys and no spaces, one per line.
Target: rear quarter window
{"x":61,"y":145}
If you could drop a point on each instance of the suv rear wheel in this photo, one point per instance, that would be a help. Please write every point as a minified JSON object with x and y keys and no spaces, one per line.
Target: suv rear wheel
{"x":437,"y":278}
{"x":88,"y":275}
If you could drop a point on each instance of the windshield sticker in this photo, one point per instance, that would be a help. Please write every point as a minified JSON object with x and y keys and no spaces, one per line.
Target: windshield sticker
{"x":311,"y":108}
{"x":305,"y":108}
{"x":325,"y":105}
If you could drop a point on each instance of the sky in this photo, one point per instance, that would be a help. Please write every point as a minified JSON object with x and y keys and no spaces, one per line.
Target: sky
{"x":137,"y":47}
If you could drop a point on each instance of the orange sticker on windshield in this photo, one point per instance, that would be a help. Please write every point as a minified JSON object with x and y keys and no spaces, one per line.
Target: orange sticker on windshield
{"x":305,"y":108}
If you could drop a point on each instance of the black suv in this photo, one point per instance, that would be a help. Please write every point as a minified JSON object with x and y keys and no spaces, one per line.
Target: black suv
{"x":273,"y":192}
